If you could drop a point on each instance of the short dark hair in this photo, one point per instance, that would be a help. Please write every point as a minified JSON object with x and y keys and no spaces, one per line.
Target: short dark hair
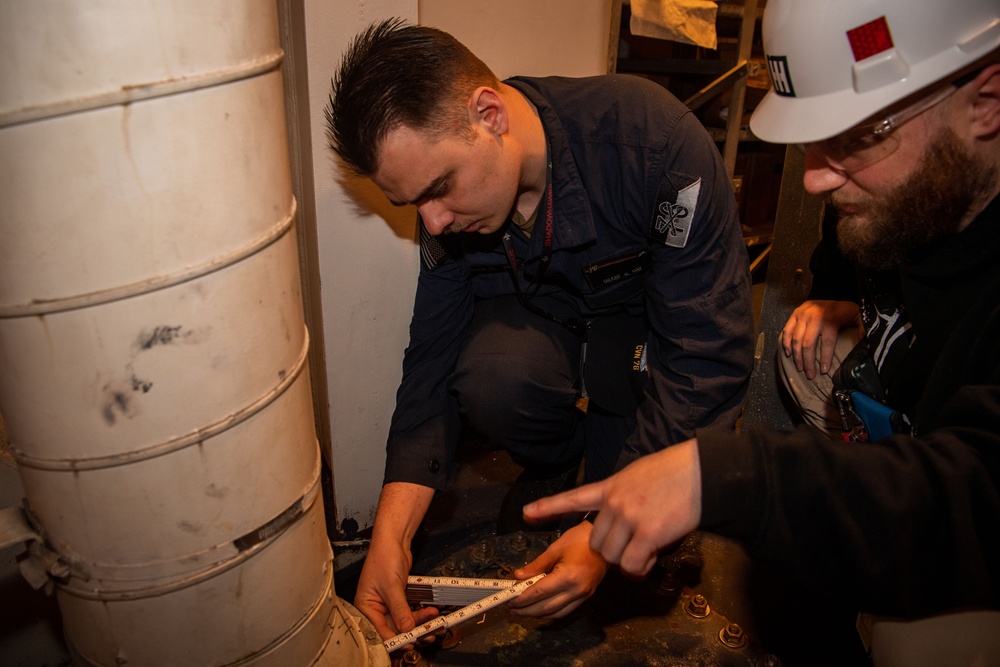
{"x":398,"y":74}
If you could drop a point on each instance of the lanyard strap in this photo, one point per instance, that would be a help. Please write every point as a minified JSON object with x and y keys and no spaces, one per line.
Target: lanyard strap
{"x":574,"y":325}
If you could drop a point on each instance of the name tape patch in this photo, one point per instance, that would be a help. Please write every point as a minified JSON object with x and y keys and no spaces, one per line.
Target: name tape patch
{"x":617,"y":269}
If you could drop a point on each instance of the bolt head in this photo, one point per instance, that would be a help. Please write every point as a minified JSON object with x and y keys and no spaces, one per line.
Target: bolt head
{"x":733,"y":636}
{"x":697,"y":606}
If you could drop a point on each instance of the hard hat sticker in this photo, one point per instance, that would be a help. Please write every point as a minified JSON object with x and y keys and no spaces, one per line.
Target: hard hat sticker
{"x":870,"y":39}
{"x":780,"y":78}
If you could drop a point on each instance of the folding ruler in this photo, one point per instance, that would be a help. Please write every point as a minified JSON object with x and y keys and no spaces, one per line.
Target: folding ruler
{"x":439,"y":590}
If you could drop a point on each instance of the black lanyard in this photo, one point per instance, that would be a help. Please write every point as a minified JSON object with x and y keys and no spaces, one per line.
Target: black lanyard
{"x":574,"y":325}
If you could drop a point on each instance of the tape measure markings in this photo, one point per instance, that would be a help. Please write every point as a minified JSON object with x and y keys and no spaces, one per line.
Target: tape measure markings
{"x":474,"y":609}
{"x":467,"y":582}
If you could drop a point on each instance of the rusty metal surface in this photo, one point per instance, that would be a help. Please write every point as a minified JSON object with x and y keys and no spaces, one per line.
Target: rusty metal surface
{"x":796,"y":232}
{"x":668,"y":618}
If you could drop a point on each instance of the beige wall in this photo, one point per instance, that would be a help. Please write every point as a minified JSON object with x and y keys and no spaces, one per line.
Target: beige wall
{"x":368,"y":263}
{"x":529,"y":37}
{"x":367,"y":254}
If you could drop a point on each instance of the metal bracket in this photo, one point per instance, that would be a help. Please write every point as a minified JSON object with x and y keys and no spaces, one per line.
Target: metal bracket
{"x":39,"y":565}
{"x":15,"y":528}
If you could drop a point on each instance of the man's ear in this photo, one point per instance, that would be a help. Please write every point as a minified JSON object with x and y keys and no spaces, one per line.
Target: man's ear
{"x":986,"y":105}
{"x":488,"y":109}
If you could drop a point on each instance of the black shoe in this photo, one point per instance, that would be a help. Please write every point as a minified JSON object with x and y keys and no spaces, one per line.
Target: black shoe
{"x":529,"y":486}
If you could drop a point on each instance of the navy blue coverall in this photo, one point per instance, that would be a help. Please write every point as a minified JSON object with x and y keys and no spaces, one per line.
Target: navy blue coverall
{"x":644,"y":223}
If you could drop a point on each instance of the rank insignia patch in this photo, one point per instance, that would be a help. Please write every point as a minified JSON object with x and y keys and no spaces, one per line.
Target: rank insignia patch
{"x":431,"y":250}
{"x":672,"y":222}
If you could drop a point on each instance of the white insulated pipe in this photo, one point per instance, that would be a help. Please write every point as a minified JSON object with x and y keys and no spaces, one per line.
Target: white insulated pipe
{"x":153,"y":372}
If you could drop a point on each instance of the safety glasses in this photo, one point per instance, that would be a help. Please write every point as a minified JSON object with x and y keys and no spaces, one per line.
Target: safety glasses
{"x":868,"y":143}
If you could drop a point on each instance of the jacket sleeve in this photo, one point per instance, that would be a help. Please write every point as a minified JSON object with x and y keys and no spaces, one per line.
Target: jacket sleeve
{"x":425,"y":424}
{"x":699,"y":305}
{"x":905,"y":527}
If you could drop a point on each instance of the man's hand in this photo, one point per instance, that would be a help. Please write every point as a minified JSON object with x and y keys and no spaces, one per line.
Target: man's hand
{"x":817,"y":321}
{"x":650,"y":504}
{"x":381,"y":593}
{"x":573,"y":572}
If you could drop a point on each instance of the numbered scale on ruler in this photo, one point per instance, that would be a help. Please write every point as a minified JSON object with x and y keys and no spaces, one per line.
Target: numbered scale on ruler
{"x":456,"y":590}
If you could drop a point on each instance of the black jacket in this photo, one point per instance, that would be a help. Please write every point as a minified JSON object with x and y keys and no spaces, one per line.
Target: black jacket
{"x":909,"y":525}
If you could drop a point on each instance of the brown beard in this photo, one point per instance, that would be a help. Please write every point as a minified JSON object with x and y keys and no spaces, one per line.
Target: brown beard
{"x":929,"y":205}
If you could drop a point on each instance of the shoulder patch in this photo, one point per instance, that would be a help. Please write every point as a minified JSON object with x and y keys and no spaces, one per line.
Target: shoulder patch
{"x":431,"y":250}
{"x":675,"y":211}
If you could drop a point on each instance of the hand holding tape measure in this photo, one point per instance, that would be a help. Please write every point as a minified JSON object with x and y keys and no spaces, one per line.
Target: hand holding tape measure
{"x":448,"y":590}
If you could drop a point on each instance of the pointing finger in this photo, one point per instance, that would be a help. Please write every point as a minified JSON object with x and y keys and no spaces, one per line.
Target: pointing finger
{"x":581,"y":499}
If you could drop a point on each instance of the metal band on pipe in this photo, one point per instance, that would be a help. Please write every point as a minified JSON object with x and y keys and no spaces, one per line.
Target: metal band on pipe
{"x":143,"y":91}
{"x":230,"y":555}
{"x":325,"y":599}
{"x":174,"y":444}
{"x":48,"y":307}
{"x":326,"y":603}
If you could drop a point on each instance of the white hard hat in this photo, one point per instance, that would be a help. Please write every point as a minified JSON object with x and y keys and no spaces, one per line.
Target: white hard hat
{"x":834,"y":63}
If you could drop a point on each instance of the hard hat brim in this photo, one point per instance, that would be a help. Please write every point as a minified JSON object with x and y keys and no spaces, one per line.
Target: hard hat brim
{"x":789,"y":120}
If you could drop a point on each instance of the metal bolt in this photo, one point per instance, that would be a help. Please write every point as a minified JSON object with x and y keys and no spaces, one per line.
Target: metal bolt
{"x":732,"y":636}
{"x":412,"y":657}
{"x":669,"y":585}
{"x":481,"y":552}
{"x":452,"y":638}
{"x":697,"y":606}
{"x":519,"y":541}
{"x":59,"y":570}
